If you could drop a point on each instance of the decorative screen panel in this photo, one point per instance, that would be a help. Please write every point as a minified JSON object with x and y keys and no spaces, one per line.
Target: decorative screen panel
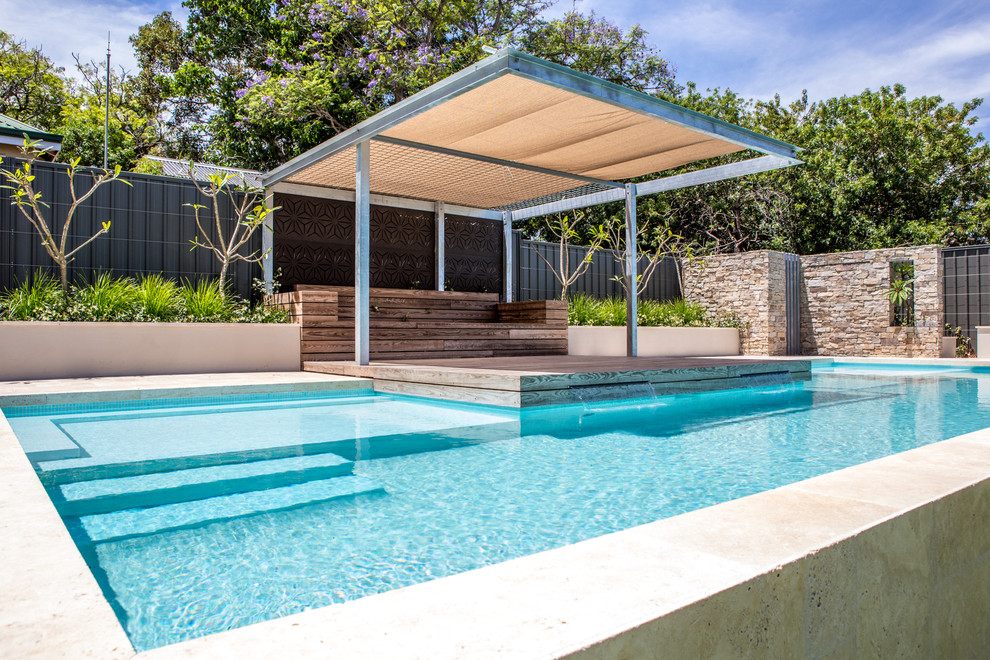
{"x":473,"y":254}
{"x":314,"y":244}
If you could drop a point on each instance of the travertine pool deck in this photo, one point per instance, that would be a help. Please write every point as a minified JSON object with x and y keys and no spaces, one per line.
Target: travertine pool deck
{"x":553,"y":379}
{"x":890,"y":558}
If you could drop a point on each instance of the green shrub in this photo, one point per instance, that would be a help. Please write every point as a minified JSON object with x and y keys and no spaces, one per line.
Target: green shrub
{"x":40,"y":300}
{"x":152,"y":298}
{"x":205,"y":302}
{"x":585,"y":310}
{"x":161,"y":299}
{"x":106,"y":299}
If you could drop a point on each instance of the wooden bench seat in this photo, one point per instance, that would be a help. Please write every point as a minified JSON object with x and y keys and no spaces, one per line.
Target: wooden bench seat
{"x":415,"y":324}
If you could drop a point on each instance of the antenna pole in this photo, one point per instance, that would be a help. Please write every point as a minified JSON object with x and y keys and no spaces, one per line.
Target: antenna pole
{"x":106,"y":117}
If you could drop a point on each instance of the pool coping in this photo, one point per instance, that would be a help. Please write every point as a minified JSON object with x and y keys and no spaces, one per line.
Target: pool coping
{"x":549,"y":604}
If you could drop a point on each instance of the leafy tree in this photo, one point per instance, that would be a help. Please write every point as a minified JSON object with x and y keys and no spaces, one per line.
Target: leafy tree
{"x":280,"y":77}
{"x":880,"y":170}
{"x":593,"y":45}
{"x":32,"y":88}
{"x":170,"y":85}
{"x":133,"y":132}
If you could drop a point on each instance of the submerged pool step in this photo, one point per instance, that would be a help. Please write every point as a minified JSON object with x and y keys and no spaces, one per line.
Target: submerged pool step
{"x":132,"y":523}
{"x":158,"y":488}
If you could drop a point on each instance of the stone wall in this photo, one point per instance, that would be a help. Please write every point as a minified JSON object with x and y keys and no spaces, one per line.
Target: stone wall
{"x":845,"y":310}
{"x":749,"y":285}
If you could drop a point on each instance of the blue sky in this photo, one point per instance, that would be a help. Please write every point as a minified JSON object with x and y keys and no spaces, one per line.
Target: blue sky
{"x":756,"y":47}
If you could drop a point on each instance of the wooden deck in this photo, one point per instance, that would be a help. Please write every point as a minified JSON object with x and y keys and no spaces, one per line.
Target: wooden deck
{"x":551,"y":379}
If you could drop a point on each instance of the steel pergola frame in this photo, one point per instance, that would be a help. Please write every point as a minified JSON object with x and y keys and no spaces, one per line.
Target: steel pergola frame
{"x":775,"y":155}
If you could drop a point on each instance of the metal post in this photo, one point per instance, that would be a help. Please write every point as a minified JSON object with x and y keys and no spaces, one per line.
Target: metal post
{"x":632,"y":259}
{"x":509,"y":261}
{"x":362,"y":254}
{"x":268,"y":244}
{"x":106,"y":117}
{"x":439,"y":243}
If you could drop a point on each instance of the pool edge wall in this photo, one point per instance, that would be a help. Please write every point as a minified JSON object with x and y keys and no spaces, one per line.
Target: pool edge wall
{"x":891,"y":557}
{"x":42,"y":349}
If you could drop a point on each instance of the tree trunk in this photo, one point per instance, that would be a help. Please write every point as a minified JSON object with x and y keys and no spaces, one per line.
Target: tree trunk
{"x":223,"y":278}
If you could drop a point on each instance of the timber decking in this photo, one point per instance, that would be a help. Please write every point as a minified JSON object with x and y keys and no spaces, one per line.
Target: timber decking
{"x":543,"y":380}
{"x":425,"y":324}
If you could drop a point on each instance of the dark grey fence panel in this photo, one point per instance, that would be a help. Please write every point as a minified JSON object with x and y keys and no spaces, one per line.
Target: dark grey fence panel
{"x":967,"y":287}
{"x":150,"y":230}
{"x":537,"y":282}
{"x":792,"y":303}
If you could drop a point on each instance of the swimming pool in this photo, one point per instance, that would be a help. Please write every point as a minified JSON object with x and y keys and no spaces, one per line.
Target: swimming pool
{"x":470,"y":487}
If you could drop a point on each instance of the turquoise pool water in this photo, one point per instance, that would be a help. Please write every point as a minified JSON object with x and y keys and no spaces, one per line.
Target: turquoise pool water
{"x":406,"y":490}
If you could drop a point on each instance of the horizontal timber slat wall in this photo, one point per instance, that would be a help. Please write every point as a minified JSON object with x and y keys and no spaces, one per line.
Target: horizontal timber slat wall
{"x":150,"y":230}
{"x":410,"y":324}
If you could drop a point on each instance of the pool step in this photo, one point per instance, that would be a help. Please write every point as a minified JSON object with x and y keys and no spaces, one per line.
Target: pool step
{"x":132,"y":523}
{"x":159,"y":488}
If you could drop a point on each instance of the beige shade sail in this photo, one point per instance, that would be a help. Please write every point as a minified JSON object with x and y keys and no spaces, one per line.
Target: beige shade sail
{"x":513,"y":131}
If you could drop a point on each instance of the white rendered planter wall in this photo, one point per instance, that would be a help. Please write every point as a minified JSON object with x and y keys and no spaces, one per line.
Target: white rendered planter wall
{"x":38,"y":349}
{"x":653,"y":342}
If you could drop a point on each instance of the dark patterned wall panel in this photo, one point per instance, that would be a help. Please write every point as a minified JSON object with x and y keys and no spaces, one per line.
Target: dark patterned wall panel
{"x":314,"y":244}
{"x":402,"y":252}
{"x":313,"y":241}
{"x":473,"y":254}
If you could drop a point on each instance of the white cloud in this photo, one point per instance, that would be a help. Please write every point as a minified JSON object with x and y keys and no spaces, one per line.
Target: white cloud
{"x":64,"y":27}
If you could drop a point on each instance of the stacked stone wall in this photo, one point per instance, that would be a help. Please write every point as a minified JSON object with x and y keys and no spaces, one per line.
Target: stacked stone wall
{"x":748,"y":285}
{"x":844,"y":310}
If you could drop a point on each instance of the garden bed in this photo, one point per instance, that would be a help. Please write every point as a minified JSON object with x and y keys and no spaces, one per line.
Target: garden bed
{"x":675,"y":328}
{"x":653,"y":342}
{"x":52,"y":349}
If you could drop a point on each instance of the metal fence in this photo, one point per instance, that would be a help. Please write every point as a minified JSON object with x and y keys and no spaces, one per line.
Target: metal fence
{"x":967,"y":287}
{"x":150,"y":230}
{"x":535,"y":281}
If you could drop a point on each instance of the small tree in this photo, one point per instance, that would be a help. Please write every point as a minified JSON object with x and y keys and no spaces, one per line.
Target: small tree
{"x":660,"y":239}
{"x":249,"y":215}
{"x":564,"y":230}
{"x":32,"y":205}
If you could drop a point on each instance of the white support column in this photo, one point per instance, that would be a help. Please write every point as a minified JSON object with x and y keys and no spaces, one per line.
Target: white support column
{"x":267,"y":245}
{"x":509,"y":261}
{"x":632,"y":263}
{"x":439,"y":244}
{"x":362,"y":254}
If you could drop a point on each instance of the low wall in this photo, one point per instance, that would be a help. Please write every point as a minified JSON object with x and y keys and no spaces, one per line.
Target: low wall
{"x":32,"y":350}
{"x":653,"y":341}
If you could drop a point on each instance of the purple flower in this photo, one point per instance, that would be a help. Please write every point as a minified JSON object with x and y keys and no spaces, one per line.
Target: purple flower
{"x":241,"y":93}
{"x":269,"y":60}
{"x":373,"y":57}
{"x":372,"y":84}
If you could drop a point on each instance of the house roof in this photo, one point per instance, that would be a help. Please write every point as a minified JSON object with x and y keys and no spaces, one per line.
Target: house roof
{"x":513,"y":130}
{"x":13,"y":128}
{"x":180,"y":168}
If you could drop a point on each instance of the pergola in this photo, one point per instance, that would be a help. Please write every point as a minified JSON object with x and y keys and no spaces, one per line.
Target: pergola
{"x":514,"y":137}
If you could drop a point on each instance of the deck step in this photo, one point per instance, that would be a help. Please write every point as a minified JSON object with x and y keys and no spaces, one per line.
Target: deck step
{"x":159,"y":488}
{"x":133,"y":523}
